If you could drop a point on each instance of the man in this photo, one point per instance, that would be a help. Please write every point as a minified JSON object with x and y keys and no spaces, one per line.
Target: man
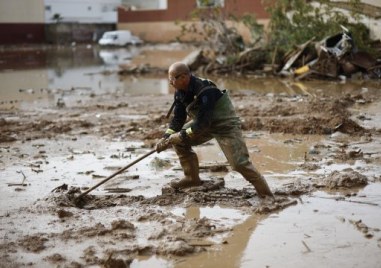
{"x":213,"y":116}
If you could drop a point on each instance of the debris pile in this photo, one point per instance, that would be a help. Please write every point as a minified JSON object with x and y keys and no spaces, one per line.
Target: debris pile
{"x":334,"y":57}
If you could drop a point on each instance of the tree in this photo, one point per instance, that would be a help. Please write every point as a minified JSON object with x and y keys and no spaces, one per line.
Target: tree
{"x":57,"y":17}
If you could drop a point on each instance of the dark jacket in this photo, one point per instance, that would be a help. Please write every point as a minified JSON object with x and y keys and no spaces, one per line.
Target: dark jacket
{"x":207,"y":95}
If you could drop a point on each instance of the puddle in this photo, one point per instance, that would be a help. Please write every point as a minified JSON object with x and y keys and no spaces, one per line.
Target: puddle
{"x":89,"y":70}
{"x":48,"y":77}
{"x":271,"y":160}
{"x":369,"y":116}
{"x":318,"y":231}
{"x":149,"y":262}
{"x":277,"y":156}
{"x":226,"y":254}
{"x":218,"y":215}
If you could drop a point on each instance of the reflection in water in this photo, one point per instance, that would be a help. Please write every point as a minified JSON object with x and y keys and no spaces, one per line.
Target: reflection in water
{"x":96,"y":69}
{"x":225,"y":253}
{"x":150,"y":262}
{"x":215,"y":213}
{"x":229,"y":253}
{"x":116,"y":56}
{"x":291,"y":87}
{"x":146,"y":85}
{"x":64,"y":69}
{"x":317,"y":233}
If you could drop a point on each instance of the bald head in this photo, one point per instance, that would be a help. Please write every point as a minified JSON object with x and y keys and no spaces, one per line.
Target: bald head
{"x":178,"y":68}
{"x":179,"y":75}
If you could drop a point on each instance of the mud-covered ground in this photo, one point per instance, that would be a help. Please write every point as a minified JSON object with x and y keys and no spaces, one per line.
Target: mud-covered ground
{"x":50,"y":153}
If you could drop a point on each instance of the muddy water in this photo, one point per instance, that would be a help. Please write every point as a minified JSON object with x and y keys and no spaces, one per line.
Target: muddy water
{"x":41,"y":72}
{"x":319,"y":232}
{"x":84,"y":161}
{"x":322,"y":230}
{"x":44,"y":75}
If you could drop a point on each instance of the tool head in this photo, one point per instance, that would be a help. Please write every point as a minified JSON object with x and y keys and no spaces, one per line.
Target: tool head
{"x":75,"y":197}
{"x":79,"y":201}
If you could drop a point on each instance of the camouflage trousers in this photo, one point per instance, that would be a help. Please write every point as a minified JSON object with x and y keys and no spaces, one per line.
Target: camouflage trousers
{"x":229,"y":137}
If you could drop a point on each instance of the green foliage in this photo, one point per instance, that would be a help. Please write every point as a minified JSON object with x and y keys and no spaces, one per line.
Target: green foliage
{"x":256,"y":29}
{"x":57,"y":17}
{"x":293,"y":22}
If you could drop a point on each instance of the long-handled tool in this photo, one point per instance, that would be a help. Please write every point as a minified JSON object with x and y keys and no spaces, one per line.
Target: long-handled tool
{"x":113,"y":175}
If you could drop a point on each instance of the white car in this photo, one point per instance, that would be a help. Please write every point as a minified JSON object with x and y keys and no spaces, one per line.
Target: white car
{"x":119,"y":38}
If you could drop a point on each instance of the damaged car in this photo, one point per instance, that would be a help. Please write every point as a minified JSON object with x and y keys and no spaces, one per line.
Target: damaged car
{"x":333,"y":57}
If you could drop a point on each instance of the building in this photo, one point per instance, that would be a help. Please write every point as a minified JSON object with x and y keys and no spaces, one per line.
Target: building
{"x":81,"y":21}
{"x":39,"y":21}
{"x":81,"y":11}
{"x":156,"y":20}
{"x":62,"y":21}
{"x":22,"y":21}
{"x":159,"y":24}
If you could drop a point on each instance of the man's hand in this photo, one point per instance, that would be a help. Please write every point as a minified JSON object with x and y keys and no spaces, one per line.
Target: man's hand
{"x":167,"y":141}
{"x":175,"y":138}
{"x":162,"y":145}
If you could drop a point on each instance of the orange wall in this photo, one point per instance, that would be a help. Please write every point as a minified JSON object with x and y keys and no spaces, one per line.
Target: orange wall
{"x":180,"y":10}
{"x":160,"y":26}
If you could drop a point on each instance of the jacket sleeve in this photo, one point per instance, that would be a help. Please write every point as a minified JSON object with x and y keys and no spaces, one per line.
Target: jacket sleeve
{"x":179,"y":118}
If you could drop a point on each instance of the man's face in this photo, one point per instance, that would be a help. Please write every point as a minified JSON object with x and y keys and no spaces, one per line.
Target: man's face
{"x":177,"y":80}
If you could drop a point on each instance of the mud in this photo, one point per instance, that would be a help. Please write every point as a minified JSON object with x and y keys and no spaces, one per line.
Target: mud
{"x":318,"y":147}
{"x":347,"y":178}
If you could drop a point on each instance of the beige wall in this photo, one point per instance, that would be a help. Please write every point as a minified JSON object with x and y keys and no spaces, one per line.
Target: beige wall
{"x":157,"y":32}
{"x":376,"y":3}
{"x":22,"y":11}
{"x":152,"y":31}
{"x":374,"y":24}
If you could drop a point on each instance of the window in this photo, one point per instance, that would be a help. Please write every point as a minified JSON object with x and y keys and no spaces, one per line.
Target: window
{"x":104,"y":8}
{"x":209,"y":3}
{"x":145,"y":5}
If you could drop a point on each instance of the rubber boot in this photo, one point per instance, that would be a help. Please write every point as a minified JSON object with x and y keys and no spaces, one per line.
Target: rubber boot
{"x":191,"y":172}
{"x":250,"y":173}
